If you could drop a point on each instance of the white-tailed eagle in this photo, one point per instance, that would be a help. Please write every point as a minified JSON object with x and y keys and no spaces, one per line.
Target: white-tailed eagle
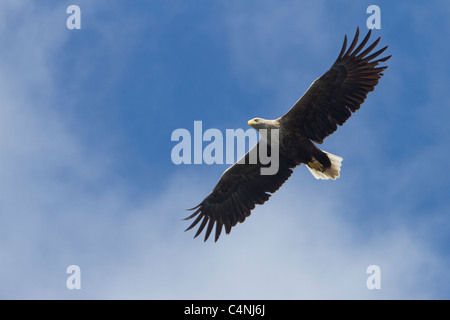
{"x":329,"y":102}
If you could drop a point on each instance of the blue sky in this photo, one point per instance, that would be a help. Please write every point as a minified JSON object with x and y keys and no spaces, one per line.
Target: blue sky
{"x":87,"y":179}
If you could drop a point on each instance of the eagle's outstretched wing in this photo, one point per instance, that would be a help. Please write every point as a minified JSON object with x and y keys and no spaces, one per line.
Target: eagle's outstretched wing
{"x":331,"y":99}
{"x":239,"y":189}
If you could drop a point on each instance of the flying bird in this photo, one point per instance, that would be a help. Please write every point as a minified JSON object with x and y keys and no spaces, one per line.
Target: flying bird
{"x":328,"y":102}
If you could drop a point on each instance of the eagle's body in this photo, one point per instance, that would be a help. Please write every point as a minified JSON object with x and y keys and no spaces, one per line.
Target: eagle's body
{"x":329,"y":102}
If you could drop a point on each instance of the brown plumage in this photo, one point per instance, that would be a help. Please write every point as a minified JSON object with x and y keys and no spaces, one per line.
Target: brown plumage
{"x":329,"y":102}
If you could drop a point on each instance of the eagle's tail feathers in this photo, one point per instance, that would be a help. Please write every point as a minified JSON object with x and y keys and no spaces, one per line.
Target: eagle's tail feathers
{"x":316,"y":168}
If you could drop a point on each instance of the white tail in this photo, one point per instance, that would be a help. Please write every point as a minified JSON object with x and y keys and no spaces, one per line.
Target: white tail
{"x":332,"y":172}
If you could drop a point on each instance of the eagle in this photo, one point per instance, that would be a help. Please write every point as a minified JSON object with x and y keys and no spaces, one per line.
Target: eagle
{"x":329,"y":101}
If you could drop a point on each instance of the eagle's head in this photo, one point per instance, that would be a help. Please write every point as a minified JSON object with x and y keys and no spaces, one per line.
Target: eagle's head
{"x":259,"y":123}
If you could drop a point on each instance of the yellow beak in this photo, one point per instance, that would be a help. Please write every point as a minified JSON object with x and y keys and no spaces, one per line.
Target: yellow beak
{"x":251,"y":123}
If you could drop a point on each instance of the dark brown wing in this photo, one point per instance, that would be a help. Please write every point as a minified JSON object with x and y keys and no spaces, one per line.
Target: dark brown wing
{"x":239,"y":189}
{"x":332,"y":98}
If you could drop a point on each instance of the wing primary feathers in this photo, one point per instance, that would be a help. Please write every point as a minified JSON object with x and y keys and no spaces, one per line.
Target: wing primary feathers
{"x":353,"y":44}
{"x":344,"y":46}
{"x":195,"y":213}
{"x":194,"y":207}
{"x":362,"y":44}
{"x":208,"y":229}
{"x":194,"y":223}
{"x":202,"y":226}
{"x":218,"y":231}
{"x":374,"y":55}
{"x":370,"y":48}
{"x":383,"y":60}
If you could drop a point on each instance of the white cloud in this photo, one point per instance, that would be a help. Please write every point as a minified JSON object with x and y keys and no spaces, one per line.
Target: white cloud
{"x":300,"y":245}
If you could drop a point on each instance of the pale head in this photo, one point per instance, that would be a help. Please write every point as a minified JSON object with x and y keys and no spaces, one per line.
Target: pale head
{"x":259,"y":123}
